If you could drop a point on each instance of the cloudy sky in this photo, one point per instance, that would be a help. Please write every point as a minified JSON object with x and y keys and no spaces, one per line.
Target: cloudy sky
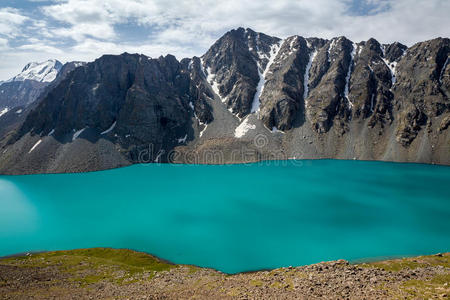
{"x":36,"y":30}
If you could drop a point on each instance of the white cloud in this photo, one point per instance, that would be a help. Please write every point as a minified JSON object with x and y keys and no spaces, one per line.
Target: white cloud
{"x":82,"y":31}
{"x":183,"y":20}
{"x":3,"y":44}
{"x":10,"y":20}
{"x":89,"y":49}
{"x":41,"y":47}
{"x":86,"y":29}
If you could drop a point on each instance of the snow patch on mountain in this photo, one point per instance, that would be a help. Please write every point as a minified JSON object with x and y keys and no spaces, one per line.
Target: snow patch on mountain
{"x":360,"y":49}
{"x":202,"y":67}
{"x":291,"y":45}
{"x":383,"y":49}
{"x":109,"y":129}
{"x":182,"y":140}
{"x":4,"y":111}
{"x":276,"y":130}
{"x":77,"y":134}
{"x":211,"y":78}
{"x":242,"y":129}
{"x":349,"y":73}
{"x":306,"y":76}
{"x":330,"y":48}
{"x":274,"y":49}
{"x":392,"y":66}
{"x":203,"y":131}
{"x":443,"y":70}
{"x":34,"y":147}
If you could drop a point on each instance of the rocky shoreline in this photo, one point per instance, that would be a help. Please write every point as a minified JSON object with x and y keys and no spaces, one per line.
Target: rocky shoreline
{"x":102,"y":273}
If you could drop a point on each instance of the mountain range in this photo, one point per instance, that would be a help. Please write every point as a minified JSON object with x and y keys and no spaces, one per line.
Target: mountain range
{"x":250,"y":97}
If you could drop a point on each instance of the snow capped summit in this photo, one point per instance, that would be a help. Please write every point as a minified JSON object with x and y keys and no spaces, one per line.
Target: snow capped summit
{"x":42,"y":72}
{"x":24,"y":88}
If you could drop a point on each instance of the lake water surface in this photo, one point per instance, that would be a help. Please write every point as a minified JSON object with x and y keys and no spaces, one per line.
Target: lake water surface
{"x":235,"y":217}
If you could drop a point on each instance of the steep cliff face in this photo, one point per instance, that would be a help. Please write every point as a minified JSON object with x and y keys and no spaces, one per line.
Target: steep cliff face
{"x":234,"y":64}
{"x":306,"y":97}
{"x":199,"y":90}
{"x":371,"y":84}
{"x":284,"y":89}
{"x":421,"y":96}
{"x":20,"y":95}
{"x":130,"y":99}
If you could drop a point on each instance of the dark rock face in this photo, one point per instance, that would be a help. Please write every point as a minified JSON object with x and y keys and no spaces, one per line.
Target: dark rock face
{"x":199,"y":90}
{"x":394,"y":51}
{"x":282,"y":97}
{"x":65,"y":70}
{"x":420,"y":92}
{"x":232,"y":65}
{"x":327,"y":102}
{"x":11,"y":120}
{"x":370,"y":84}
{"x":141,"y":100}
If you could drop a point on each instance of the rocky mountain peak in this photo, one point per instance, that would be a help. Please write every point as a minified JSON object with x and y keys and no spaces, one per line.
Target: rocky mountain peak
{"x":40,"y":72}
{"x":373,"y":45}
{"x":393,"y":52}
{"x":24,"y":88}
{"x":233,"y":66}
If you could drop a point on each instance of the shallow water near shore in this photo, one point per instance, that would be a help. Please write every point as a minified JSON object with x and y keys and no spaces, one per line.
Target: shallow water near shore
{"x":234,"y":218}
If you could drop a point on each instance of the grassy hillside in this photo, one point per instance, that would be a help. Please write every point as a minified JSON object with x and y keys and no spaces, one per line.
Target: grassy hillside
{"x":118,"y":273}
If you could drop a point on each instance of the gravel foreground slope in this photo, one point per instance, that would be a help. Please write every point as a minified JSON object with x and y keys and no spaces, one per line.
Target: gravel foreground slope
{"x":101,"y":273}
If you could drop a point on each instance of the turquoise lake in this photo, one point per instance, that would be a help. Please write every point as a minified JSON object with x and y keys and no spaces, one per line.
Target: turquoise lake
{"x":234,"y":218}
